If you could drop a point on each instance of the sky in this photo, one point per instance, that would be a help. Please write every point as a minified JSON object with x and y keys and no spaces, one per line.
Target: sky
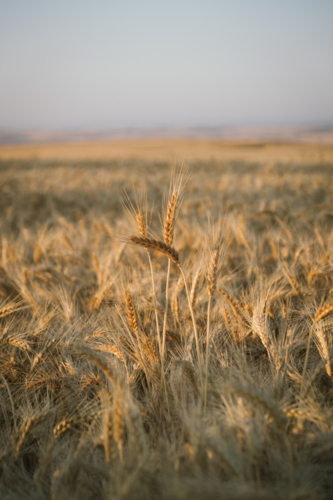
{"x":165,"y":63}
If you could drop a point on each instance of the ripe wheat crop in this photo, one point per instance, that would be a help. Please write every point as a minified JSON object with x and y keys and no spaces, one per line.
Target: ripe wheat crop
{"x":176,"y":352}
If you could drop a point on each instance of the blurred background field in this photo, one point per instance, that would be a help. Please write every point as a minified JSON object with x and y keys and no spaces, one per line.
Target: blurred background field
{"x":85,"y":412}
{"x":173,"y":149}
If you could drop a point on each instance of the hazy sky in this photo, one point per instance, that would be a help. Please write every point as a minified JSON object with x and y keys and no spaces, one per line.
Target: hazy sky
{"x":108,"y":63}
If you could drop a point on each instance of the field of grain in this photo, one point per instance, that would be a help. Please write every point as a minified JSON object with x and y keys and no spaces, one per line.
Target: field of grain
{"x":166,"y":335}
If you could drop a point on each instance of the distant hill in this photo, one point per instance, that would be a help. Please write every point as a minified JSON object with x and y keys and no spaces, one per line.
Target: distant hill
{"x":304,"y":134}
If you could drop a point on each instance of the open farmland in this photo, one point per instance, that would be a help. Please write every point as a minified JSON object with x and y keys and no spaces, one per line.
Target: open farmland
{"x":174,"y":342}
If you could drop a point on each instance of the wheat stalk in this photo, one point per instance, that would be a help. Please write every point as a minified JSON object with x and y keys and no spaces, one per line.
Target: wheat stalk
{"x":211,"y":287}
{"x":194,"y":288}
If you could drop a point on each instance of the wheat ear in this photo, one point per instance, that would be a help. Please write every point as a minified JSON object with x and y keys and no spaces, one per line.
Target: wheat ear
{"x":321,"y":313}
{"x":142,"y":227}
{"x":234,"y":306}
{"x":133,"y":324}
{"x":159,"y":246}
{"x":168,"y":240}
{"x":101,"y":362}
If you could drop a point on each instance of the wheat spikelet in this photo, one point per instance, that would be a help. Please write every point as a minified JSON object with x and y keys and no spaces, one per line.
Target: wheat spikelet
{"x":87,"y":382}
{"x":37,"y":254}
{"x":266,"y":403}
{"x":322,"y":345}
{"x":324,"y":311}
{"x":259,"y":324}
{"x":150,"y":350}
{"x":303,"y":413}
{"x":21,"y":344}
{"x":70,"y":367}
{"x":141,"y":223}
{"x":112,"y":349}
{"x":9,"y":309}
{"x":109,"y":371}
{"x":95,"y":263}
{"x":36,"y":360}
{"x":234,"y":306}
{"x":63,"y":426}
{"x":40,"y":276}
{"x":97,"y":299}
{"x":298,"y":254}
{"x":293,"y":284}
{"x":23,"y":433}
{"x":211,"y":272}
{"x":25,"y":276}
{"x":170,"y":218}
{"x":226,"y":316}
{"x":95,"y":334}
{"x":67,"y":242}
{"x":132,"y":320}
{"x":313,"y":274}
{"x":157,"y":245}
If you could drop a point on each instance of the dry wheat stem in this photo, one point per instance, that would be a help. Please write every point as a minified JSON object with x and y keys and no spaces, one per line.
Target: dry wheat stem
{"x":196,"y":336}
{"x":194,"y":288}
{"x":165,"y":310}
{"x":155,"y":303}
{"x":164,"y":333}
{"x":211,"y":287}
{"x":207,"y":351}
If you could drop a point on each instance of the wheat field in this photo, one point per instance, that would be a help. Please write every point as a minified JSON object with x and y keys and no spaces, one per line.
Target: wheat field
{"x":166,"y":328}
